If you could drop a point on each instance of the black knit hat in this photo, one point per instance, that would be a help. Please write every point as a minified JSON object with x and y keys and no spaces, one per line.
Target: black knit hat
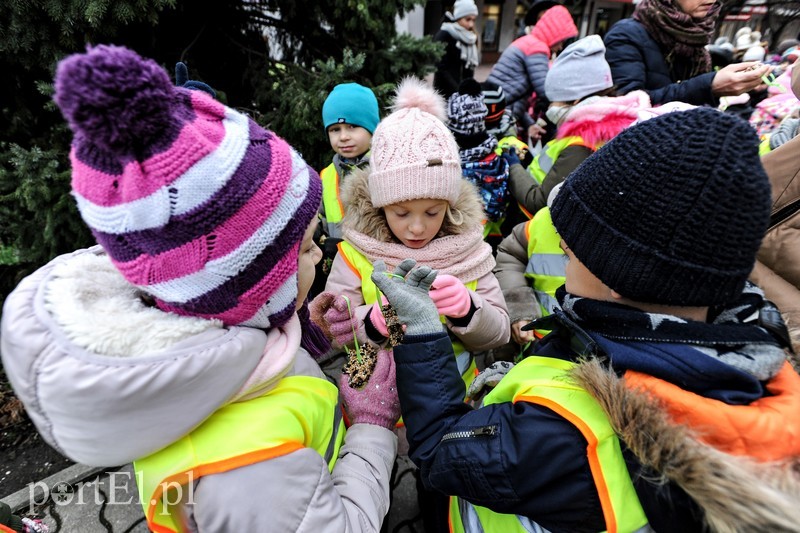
{"x":532,"y":16}
{"x":671,"y":211}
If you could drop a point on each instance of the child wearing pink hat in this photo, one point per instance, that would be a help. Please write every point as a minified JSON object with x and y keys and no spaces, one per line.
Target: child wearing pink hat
{"x":413,"y":202}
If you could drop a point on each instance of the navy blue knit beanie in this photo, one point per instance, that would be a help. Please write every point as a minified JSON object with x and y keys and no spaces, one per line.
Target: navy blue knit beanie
{"x":671,"y":211}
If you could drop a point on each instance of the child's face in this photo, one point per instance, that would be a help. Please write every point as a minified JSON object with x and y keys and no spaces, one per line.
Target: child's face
{"x":580,"y":281}
{"x":349,"y":141}
{"x":309,"y":256}
{"x":416,"y":222}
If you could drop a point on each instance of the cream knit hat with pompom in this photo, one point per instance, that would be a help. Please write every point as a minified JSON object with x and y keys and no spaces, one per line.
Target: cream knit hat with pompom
{"x":414,"y":155}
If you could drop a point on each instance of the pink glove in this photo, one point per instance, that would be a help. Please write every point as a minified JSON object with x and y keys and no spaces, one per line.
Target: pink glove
{"x":376,"y":317}
{"x":450,"y":296}
{"x":377,"y":402}
{"x":331,"y":314}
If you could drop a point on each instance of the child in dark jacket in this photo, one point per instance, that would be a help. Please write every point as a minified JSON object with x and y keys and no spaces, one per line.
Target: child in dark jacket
{"x":663,"y":400}
{"x":480,"y":164}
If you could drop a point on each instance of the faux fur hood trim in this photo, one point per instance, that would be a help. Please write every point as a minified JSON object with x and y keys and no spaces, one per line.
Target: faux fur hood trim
{"x":735,"y":493}
{"x":601,"y":120}
{"x":363,"y":217}
{"x":102,"y":312}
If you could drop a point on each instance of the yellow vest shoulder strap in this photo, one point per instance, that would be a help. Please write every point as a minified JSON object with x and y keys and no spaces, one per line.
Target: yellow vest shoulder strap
{"x":545,"y":381}
{"x":299,"y":412}
{"x":334,"y":210}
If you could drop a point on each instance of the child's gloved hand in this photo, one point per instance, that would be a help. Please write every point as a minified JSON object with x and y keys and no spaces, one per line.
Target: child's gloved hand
{"x":377,"y":402}
{"x":182,"y":80}
{"x":407,"y":292}
{"x":450,"y":296}
{"x":332,"y":314}
{"x":511,"y":156}
{"x":377,"y":318}
{"x":490,"y":377}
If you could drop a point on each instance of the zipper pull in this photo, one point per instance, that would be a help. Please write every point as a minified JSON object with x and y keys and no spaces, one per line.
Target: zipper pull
{"x":485,"y":430}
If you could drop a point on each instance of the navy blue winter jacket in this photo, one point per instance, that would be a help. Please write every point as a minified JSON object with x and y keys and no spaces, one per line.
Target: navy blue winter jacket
{"x":637,"y":62}
{"x":534,"y":462}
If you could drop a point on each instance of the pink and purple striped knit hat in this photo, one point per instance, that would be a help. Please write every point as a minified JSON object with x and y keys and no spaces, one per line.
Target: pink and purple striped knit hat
{"x":194,"y":202}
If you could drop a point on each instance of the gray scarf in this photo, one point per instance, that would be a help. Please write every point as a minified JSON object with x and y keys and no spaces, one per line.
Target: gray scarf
{"x":466,"y":41}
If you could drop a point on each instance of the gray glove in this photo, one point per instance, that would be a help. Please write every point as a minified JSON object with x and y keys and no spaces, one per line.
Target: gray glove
{"x":489,"y":378}
{"x":407,"y":292}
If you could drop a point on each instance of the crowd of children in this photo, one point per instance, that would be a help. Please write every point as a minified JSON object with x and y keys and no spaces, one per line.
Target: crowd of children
{"x":569,"y":333}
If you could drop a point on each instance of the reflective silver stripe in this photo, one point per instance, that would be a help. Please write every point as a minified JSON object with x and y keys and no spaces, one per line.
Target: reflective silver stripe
{"x":545,"y":162}
{"x":463,"y":360}
{"x":337,"y":418}
{"x":530,"y":526}
{"x":469,"y":517}
{"x":472,"y":524}
{"x":334,"y":229}
{"x":547,"y":265}
{"x":547,"y":301}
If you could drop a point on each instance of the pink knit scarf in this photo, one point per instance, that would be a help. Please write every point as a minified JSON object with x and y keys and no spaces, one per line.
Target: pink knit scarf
{"x":466,"y":256}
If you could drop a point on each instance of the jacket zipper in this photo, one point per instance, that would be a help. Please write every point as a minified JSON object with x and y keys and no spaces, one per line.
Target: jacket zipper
{"x":484,"y":431}
{"x":783,"y":213}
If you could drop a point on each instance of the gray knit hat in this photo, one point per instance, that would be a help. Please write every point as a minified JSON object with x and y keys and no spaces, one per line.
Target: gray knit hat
{"x":671,"y":211}
{"x":579,"y":71}
{"x":464,"y":8}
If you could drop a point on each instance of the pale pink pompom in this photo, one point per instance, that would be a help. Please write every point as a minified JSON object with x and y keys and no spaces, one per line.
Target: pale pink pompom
{"x":415,"y":93}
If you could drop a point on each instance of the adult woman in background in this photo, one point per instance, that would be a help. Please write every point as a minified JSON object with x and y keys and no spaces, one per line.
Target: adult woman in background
{"x":662,"y":50}
{"x":461,"y":54}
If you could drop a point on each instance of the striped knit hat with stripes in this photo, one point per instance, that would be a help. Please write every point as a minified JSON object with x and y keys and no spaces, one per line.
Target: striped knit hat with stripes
{"x":195,"y":203}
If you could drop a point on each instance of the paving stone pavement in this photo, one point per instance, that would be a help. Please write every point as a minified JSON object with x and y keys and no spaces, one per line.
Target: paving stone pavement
{"x":106,"y":500}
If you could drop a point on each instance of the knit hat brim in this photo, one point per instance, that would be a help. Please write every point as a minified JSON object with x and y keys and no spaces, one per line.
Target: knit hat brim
{"x":671,"y":211}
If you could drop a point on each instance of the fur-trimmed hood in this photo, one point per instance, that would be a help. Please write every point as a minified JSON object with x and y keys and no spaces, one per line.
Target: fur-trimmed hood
{"x":736,"y":494}
{"x":363,"y":217}
{"x":600,"y":119}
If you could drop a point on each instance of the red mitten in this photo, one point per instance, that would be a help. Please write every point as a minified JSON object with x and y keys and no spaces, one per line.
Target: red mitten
{"x":450,"y":296}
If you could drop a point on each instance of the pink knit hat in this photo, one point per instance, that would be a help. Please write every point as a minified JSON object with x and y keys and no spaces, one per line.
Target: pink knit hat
{"x":194,"y":202}
{"x":414,"y":155}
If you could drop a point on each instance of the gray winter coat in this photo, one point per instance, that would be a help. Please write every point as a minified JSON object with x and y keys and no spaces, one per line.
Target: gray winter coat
{"x":107,"y":379}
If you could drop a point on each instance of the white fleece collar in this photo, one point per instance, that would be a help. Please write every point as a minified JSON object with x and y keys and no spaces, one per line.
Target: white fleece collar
{"x":101,"y":312}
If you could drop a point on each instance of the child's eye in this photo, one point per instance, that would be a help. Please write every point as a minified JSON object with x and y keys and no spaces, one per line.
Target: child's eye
{"x":400,"y":215}
{"x":432,"y":214}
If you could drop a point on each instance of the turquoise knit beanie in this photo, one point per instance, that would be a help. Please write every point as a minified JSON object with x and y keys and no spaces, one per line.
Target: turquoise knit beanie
{"x":351,"y":103}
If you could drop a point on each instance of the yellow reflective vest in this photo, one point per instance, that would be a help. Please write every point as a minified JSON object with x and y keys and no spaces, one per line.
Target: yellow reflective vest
{"x":361,"y":266}
{"x":299,"y":412}
{"x":545,"y":381}
{"x":547,"y":262}
{"x":331,"y":201}
{"x":543,"y":162}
